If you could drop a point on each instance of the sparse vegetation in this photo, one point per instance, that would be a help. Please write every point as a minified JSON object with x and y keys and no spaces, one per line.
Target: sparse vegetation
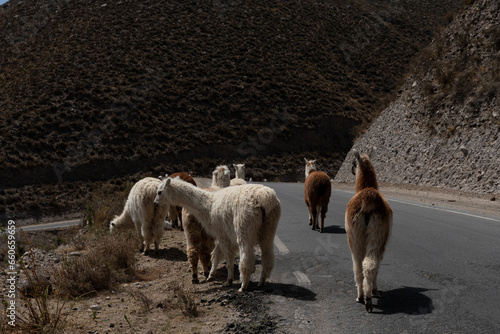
{"x":109,"y":259}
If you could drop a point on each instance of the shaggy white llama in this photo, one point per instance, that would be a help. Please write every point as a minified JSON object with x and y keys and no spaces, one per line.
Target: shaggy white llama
{"x":199,"y":244}
{"x":221,"y":177}
{"x":368,"y":222}
{"x":139,"y":211}
{"x":238,"y":217}
{"x":175,"y":212}
{"x":239,"y":175}
{"x":317,"y":190}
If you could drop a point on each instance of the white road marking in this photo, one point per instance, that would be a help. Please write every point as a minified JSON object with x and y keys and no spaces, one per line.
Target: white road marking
{"x":434,"y":207}
{"x":301,"y":277}
{"x":443,"y":209}
{"x":281,"y":246}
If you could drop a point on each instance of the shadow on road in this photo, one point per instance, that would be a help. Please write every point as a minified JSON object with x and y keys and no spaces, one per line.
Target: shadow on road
{"x":289,"y":291}
{"x":334,"y":229}
{"x":407,"y":300}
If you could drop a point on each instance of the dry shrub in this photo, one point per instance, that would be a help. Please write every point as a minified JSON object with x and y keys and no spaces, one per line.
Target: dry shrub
{"x":181,"y":298}
{"x":144,"y":301}
{"x":185,"y":301}
{"x":35,"y":314}
{"x":109,"y":260}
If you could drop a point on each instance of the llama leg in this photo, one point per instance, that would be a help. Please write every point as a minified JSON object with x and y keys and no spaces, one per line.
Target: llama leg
{"x":323,"y":215}
{"x":205,"y":250}
{"x":216,"y":258}
{"x":358,"y":278}
{"x":193,"y":260}
{"x":267,"y":259}
{"x":314,"y":217}
{"x":375,"y":287}
{"x":370,"y":264}
{"x":247,"y":264}
{"x":310,"y":215}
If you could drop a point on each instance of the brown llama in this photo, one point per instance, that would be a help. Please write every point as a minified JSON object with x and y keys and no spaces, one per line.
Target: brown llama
{"x":317,"y":190}
{"x":199,"y":244}
{"x":368,"y":222}
{"x":175,"y":212}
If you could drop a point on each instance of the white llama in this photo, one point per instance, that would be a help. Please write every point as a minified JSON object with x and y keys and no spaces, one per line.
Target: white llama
{"x":139,"y":211}
{"x":239,"y":175}
{"x":238,"y":217}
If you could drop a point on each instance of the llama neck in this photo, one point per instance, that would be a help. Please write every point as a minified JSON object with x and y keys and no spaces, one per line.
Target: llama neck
{"x":195,"y":200}
{"x":309,"y":170}
{"x":239,"y":174}
{"x":366,"y":177}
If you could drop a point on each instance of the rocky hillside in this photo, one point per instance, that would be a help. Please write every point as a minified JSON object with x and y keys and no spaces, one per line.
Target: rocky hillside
{"x":443,"y":129}
{"x":97,"y":90}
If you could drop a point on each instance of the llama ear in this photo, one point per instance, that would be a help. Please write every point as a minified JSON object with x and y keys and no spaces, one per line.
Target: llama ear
{"x":306,"y":160}
{"x":372,"y":151}
{"x":356,"y":154}
{"x":165,"y":184}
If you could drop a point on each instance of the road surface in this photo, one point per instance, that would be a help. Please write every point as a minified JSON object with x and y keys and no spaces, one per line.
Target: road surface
{"x":440,"y":274}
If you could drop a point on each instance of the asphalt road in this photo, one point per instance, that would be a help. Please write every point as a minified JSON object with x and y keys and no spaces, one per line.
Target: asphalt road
{"x":440,"y":274}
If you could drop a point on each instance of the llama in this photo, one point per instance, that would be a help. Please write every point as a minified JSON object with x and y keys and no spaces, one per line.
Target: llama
{"x":368,"y":223}
{"x":200,"y":244}
{"x":139,"y":211}
{"x":221,"y":177}
{"x":317,"y":190}
{"x":239,"y":175}
{"x":238,"y":217}
{"x":175,"y":212}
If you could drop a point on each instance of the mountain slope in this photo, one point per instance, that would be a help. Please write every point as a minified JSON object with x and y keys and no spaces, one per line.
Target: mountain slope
{"x":444,"y":128}
{"x":95,"y":89}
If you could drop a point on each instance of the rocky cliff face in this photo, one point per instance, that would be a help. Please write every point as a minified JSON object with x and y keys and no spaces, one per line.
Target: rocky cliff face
{"x":443,"y":130}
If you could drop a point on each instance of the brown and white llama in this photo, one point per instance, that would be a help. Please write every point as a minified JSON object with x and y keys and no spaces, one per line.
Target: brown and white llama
{"x":199,"y":244}
{"x":175,"y":212}
{"x":368,"y":223}
{"x":238,"y":217}
{"x":317,"y":190}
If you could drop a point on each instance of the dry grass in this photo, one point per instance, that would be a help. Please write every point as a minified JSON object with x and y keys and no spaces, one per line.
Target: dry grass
{"x":181,"y":298}
{"x":185,"y":300}
{"x":110,"y":259}
{"x":36,"y":314}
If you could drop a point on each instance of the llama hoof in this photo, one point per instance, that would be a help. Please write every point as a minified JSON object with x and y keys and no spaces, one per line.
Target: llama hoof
{"x":320,"y":230}
{"x":195,"y":281}
{"x":360,"y":300}
{"x":375,"y":293}
{"x":228,"y":283}
{"x":369,"y":305}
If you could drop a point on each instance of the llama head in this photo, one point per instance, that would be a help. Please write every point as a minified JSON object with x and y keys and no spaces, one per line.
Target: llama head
{"x":221,"y":177}
{"x":239,"y":171}
{"x":161,"y":193}
{"x":364,"y":171}
{"x":361,"y":160}
{"x":112,"y":225}
{"x":310,"y":166}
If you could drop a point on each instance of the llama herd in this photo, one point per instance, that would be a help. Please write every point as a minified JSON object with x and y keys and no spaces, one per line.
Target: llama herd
{"x":232,"y":217}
